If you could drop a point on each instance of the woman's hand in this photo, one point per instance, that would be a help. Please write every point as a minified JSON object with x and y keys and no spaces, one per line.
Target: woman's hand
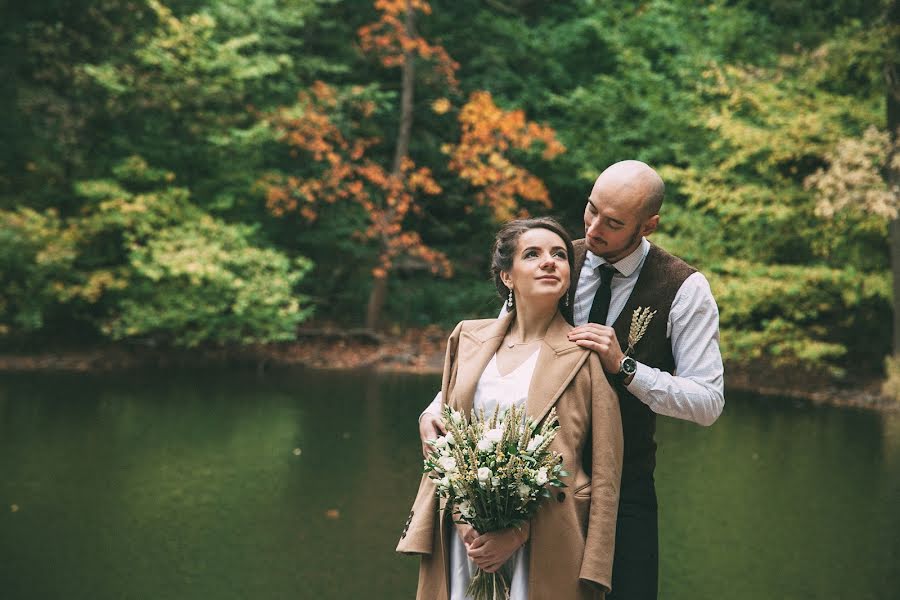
{"x":490,"y":550}
{"x":430,"y":427}
{"x":467,"y":533}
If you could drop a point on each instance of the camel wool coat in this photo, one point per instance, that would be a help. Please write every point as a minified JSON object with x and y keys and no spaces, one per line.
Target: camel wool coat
{"x":573,"y":533}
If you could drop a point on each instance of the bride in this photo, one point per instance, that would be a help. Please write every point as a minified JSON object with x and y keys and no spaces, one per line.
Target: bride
{"x":525,"y":358}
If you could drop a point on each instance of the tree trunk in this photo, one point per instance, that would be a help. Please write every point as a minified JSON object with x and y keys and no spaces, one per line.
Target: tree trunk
{"x":406,"y":99}
{"x":378,"y":295}
{"x":892,"y":79}
{"x":894,"y":241}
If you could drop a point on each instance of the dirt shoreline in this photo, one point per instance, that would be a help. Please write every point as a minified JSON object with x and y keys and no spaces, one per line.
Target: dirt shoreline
{"x":419,"y":351}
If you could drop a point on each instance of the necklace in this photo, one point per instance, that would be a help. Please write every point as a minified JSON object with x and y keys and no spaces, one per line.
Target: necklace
{"x":512,"y":344}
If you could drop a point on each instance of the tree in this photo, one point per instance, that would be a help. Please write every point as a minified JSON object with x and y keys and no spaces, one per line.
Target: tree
{"x":892,"y":87}
{"x":342,"y":172}
{"x":48,"y":114}
{"x":398,"y":44}
{"x":182,"y":95}
{"x":481,"y":157}
{"x":141,"y":262}
{"x":793,"y":280}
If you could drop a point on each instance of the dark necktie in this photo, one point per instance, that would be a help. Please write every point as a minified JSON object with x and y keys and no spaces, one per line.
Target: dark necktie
{"x":600,"y":305}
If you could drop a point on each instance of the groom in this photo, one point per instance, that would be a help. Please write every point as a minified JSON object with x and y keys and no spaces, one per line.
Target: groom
{"x":674,"y":370}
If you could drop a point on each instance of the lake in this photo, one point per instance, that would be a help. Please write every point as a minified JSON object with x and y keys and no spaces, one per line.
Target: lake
{"x":229,"y":485}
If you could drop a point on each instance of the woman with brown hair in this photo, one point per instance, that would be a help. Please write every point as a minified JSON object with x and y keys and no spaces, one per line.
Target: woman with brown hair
{"x":525,"y":358}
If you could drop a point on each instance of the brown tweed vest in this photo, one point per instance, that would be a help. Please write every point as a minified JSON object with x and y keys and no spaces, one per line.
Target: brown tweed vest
{"x":660,"y":278}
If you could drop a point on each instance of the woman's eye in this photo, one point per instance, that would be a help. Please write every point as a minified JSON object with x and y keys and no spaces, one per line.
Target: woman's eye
{"x":560,"y":254}
{"x":529,"y":254}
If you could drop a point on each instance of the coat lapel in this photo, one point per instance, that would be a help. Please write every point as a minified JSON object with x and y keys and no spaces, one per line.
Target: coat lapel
{"x":475,"y":351}
{"x":558,"y":361}
{"x":557,"y":364}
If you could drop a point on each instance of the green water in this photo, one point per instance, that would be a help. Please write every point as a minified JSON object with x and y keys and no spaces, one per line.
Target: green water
{"x":189,"y":485}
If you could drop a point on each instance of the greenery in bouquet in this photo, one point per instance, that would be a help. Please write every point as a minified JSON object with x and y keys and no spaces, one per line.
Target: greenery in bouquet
{"x":495,"y":472}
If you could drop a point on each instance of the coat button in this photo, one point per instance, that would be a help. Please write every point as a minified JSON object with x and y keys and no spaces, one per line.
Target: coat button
{"x":561,"y":496}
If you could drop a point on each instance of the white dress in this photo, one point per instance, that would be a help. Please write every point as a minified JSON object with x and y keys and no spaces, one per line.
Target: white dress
{"x":505,"y":390}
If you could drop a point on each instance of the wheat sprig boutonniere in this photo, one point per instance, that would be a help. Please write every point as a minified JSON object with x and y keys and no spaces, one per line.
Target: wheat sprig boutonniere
{"x":640,"y":319}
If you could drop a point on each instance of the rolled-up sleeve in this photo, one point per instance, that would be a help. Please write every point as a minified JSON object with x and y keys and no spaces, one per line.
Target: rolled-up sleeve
{"x":695,"y":392}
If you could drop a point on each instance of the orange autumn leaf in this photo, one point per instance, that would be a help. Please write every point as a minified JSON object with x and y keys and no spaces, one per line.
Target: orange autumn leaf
{"x":487,"y":134}
{"x":344,"y":173}
{"x":388,"y":39}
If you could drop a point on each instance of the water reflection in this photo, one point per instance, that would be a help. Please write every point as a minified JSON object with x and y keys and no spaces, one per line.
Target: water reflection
{"x":187,"y":485}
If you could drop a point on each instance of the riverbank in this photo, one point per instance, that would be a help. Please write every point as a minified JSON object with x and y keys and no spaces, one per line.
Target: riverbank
{"x":410,"y":351}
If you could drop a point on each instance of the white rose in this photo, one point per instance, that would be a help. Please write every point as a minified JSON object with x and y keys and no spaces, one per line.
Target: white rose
{"x":447,"y":463}
{"x":535,"y":442}
{"x":456,"y":417}
{"x":444,"y":482}
{"x":524,"y":490}
{"x":484,"y":475}
{"x":495,"y":481}
{"x":451,"y":441}
{"x":485,"y":445}
{"x":440,"y":442}
{"x":495,"y":435}
{"x":541,"y":477}
{"x":465,"y":509}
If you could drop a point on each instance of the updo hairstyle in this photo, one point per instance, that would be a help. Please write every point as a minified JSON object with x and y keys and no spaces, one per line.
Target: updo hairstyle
{"x":505,"y":249}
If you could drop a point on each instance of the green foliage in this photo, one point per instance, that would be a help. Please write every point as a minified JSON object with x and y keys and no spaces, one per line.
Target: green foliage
{"x":425,"y":301}
{"x":773,"y":128}
{"x":795,"y":286}
{"x":203,"y":282}
{"x":801,"y":315}
{"x":189,"y":93}
{"x":36,"y":253}
{"x":141,"y":262}
{"x":736,"y":103}
{"x":180,"y":87}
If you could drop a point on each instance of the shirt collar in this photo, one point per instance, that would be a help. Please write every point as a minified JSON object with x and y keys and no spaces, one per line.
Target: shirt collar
{"x":626,"y":266}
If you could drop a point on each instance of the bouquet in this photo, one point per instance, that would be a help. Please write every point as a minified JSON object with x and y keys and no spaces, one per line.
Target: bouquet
{"x":495,"y":472}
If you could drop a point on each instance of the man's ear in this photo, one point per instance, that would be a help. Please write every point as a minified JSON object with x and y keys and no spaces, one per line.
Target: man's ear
{"x":650,"y":225}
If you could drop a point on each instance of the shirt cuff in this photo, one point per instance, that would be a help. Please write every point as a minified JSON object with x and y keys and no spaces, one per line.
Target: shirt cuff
{"x":642,"y":383}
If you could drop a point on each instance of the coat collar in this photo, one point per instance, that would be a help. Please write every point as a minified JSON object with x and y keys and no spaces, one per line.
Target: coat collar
{"x":557,"y":362}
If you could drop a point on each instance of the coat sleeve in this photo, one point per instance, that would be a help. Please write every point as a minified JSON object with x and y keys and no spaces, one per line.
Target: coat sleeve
{"x":418,"y":534}
{"x":606,"y":474}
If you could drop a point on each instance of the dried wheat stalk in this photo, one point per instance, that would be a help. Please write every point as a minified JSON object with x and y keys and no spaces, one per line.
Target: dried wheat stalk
{"x":639,"y":322}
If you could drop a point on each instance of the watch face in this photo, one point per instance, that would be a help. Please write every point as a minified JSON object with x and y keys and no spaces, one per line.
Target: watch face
{"x":629,"y":366}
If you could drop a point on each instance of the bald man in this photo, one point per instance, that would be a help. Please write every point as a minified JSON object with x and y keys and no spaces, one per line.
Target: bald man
{"x":674,"y":370}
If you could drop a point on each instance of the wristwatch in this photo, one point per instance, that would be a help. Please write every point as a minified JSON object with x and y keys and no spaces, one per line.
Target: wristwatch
{"x":626,"y":368}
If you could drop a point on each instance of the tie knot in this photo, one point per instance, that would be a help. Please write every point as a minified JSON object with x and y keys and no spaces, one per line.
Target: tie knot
{"x":606,"y":272}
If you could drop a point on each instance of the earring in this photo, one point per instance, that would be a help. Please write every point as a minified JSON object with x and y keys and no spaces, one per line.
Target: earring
{"x":566,"y":299}
{"x":510,"y":302}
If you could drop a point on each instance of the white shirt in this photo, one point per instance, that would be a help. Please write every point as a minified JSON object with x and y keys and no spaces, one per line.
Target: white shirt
{"x":696,"y":390}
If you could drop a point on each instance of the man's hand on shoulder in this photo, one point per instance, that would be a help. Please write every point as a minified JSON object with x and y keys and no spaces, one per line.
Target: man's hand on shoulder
{"x":430,"y":427}
{"x":602,"y":340}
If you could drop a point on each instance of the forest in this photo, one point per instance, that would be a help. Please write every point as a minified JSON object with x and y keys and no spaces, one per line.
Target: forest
{"x":208,"y":173}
